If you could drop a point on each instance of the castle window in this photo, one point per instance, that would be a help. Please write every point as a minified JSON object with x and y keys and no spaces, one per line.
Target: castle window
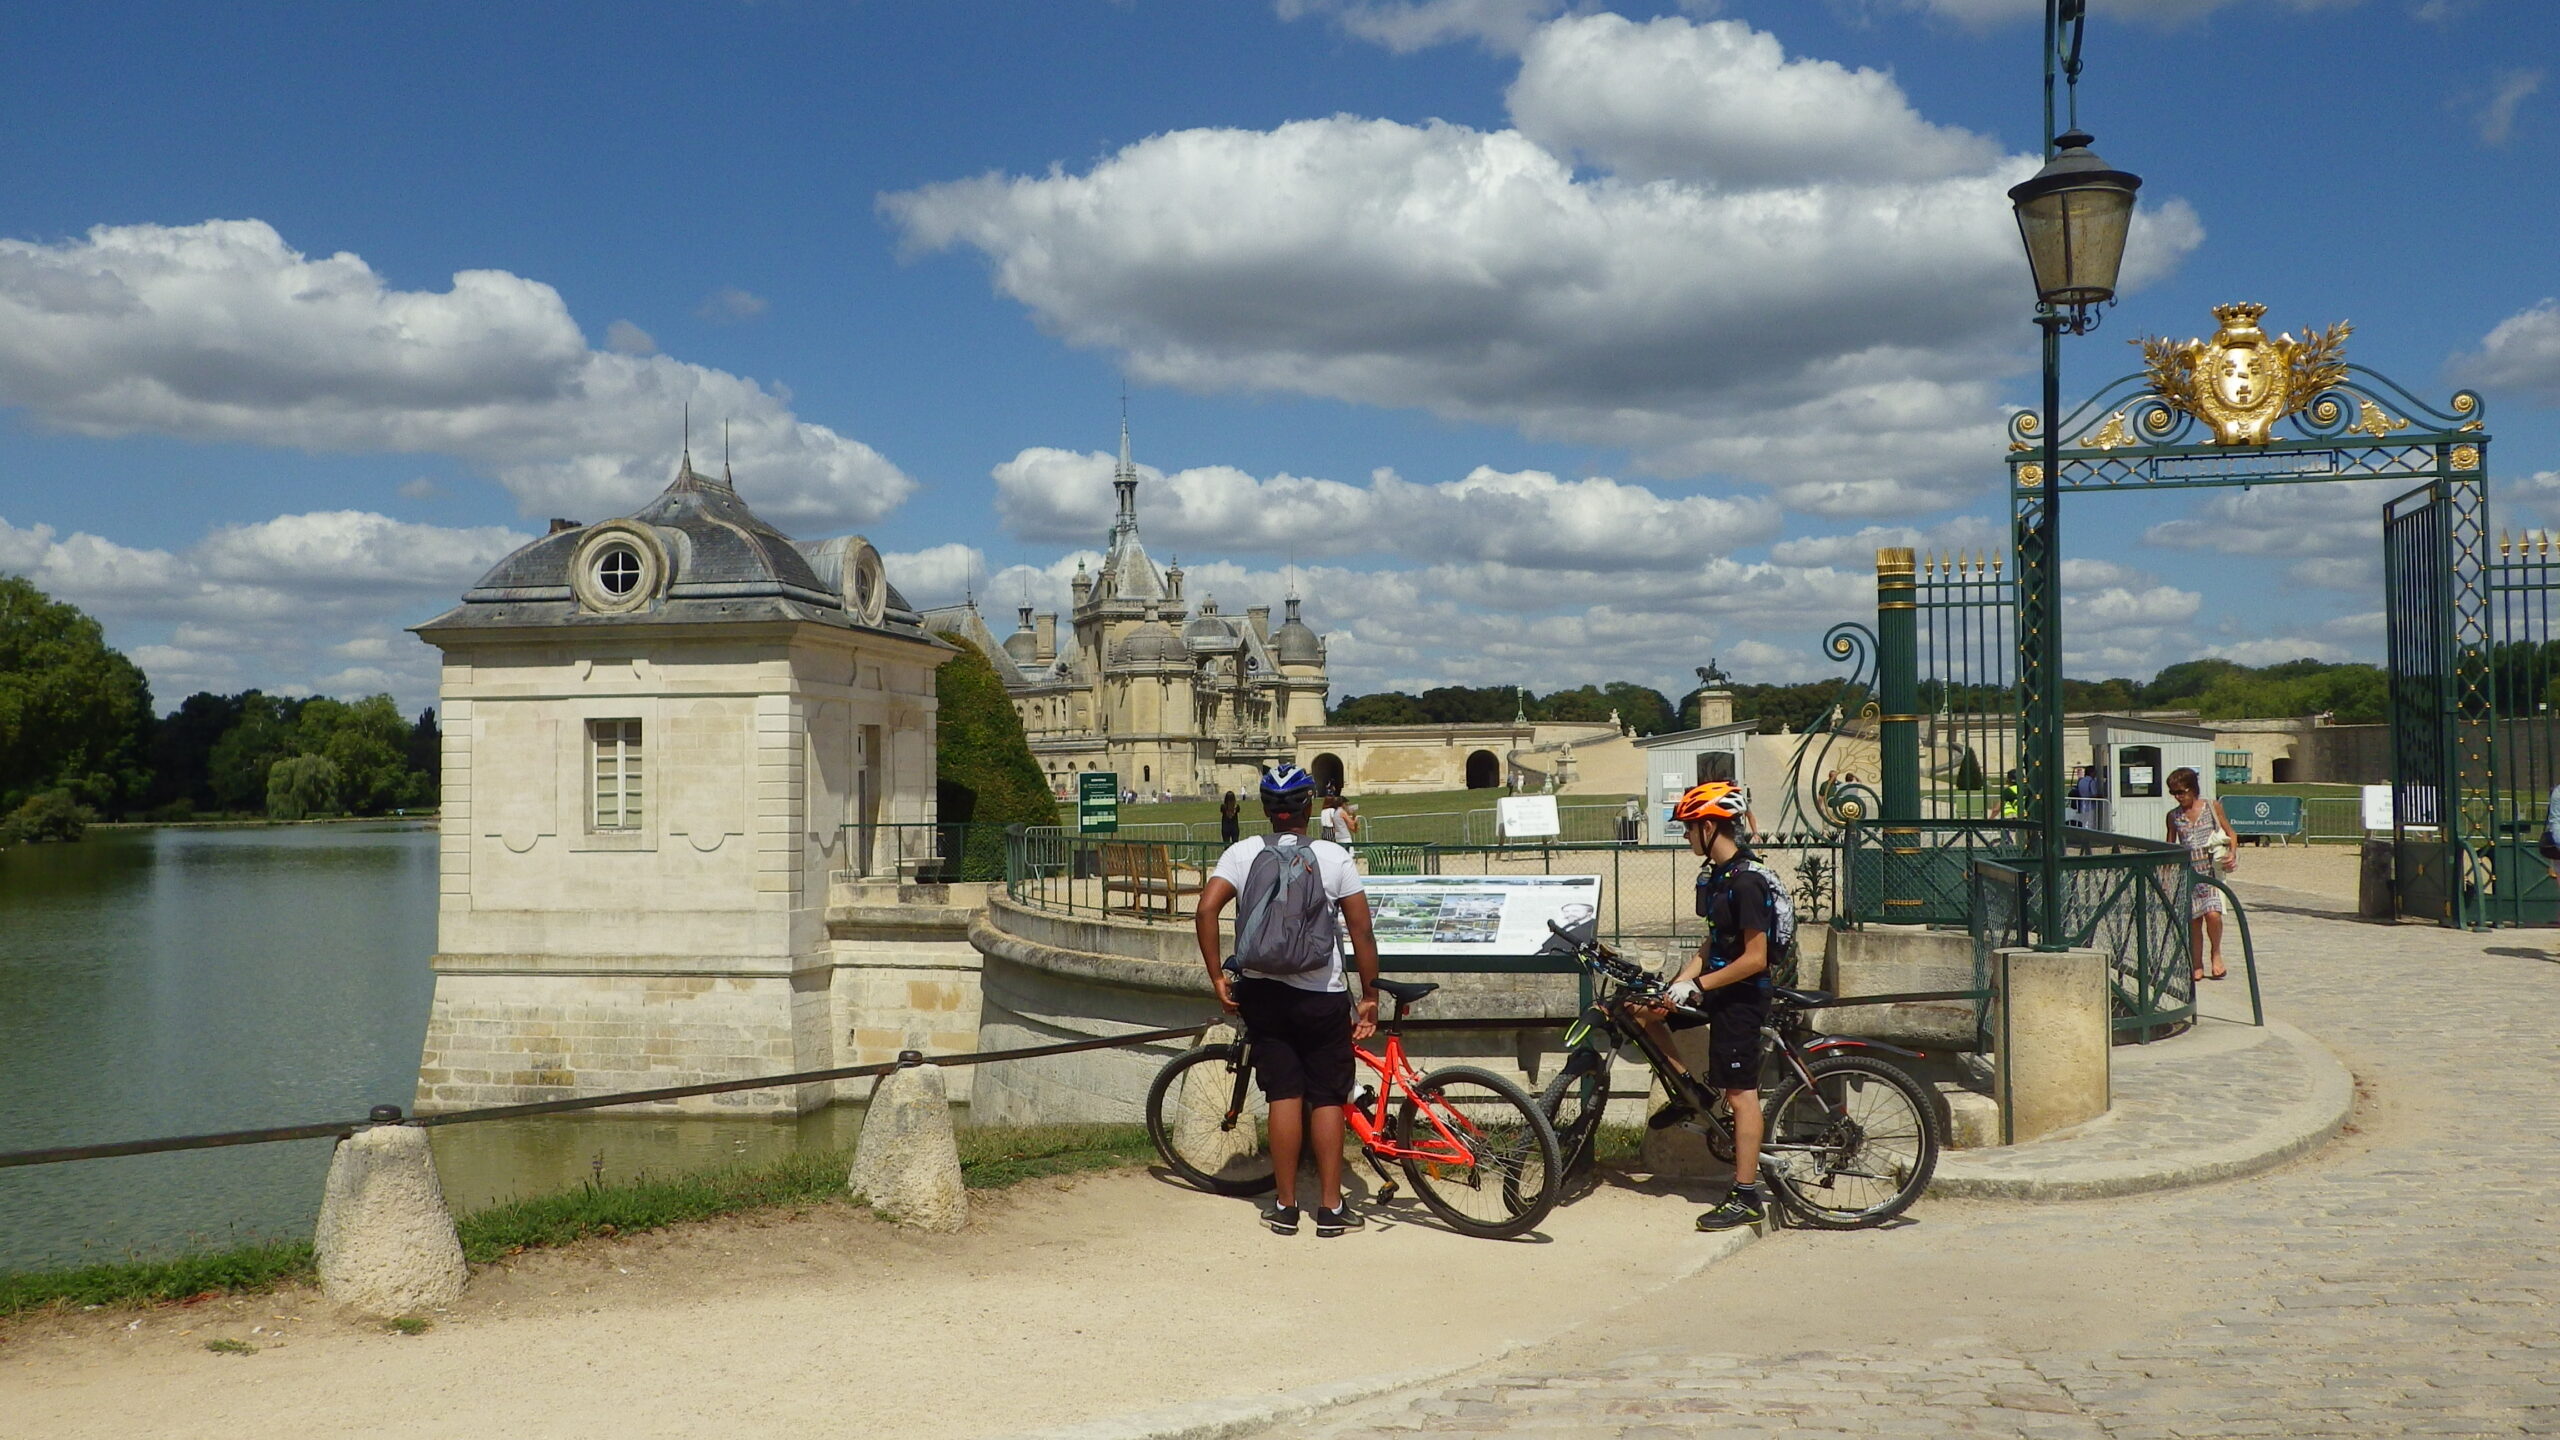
{"x":617,"y":570}
{"x":615,"y":746}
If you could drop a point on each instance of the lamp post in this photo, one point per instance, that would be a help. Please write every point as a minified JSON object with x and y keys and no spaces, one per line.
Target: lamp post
{"x":2072,"y":216}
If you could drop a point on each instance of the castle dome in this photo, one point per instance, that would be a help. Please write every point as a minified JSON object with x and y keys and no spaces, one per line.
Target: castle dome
{"x":1294,"y":642}
{"x":1152,"y":643}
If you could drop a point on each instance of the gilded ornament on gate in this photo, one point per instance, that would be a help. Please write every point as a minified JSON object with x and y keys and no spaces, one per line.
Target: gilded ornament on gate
{"x":2466,"y":457}
{"x":2111,"y":436}
{"x":2373,"y":420}
{"x":2240,"y":382}
{"x":2030,"y":474}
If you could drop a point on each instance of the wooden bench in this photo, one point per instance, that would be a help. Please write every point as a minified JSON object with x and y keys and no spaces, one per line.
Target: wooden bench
{"x":1149,"y":875}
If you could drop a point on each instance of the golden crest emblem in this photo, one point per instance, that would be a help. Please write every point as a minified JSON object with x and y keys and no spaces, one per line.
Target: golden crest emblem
{"x":2240,"y":382}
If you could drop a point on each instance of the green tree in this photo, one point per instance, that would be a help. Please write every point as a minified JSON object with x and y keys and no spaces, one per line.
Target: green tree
{"x":369,"y":743}
{"x":74,"y":714}
{"x":1384,"y":708}
{"x":984,"y":772}
{"x":46,"y":816}
{"x":182,"y":750}
{"x":301,"y":786}
{"x":236,"y":769}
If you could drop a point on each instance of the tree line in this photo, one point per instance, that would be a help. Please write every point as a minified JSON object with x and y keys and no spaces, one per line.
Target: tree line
{"x":80,"y":739}
{"x":2349,"y":693}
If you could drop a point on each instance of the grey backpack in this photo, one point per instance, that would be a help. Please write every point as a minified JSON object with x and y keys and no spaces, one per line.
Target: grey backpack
{"x":1286,"y":927}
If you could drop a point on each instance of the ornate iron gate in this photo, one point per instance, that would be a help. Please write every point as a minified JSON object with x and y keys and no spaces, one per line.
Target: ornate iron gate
{"x":2524,"y":664}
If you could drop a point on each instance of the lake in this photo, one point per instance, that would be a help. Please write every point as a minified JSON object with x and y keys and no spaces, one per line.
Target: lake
{"x":178,"y":980}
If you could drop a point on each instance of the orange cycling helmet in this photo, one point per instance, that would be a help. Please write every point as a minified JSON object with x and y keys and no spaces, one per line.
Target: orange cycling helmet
{"x":1715,"y":800}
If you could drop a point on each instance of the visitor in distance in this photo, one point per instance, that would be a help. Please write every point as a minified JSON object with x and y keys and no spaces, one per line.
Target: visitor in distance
{"x":1299,"y":897}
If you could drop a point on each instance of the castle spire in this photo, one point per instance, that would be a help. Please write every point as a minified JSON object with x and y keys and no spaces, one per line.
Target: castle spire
{"x":1124,"y":482}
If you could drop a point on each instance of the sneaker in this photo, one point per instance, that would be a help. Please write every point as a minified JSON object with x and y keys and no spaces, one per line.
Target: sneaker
{"x":1330,"y":1223}
{"x":1283,"y":1219}
{"x":1742,"y":1207}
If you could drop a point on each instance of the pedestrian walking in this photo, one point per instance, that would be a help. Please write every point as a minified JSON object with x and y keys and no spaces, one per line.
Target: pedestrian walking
{"x":2199,"y":825}
{"x":1230,"y":821}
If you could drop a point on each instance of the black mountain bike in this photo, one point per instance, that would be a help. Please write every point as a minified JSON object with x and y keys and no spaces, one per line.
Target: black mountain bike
{"x":1851,"y":1138}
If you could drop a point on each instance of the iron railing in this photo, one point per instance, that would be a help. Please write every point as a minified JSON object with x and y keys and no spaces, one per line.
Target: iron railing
{"x":1920,"y":874}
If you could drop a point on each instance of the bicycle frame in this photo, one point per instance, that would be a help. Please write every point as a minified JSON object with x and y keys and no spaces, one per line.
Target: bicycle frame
{"x":1397,"y":1073}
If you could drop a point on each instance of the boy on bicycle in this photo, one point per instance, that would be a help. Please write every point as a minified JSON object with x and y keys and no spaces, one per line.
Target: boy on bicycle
{"x":1725,"y":987}
{"x":1297,"y":1010}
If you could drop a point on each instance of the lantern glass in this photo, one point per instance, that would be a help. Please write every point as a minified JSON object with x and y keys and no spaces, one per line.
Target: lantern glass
{"x":2074,"y":216}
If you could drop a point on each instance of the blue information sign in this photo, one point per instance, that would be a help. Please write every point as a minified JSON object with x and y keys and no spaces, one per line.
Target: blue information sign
{"x":2264,"y":814}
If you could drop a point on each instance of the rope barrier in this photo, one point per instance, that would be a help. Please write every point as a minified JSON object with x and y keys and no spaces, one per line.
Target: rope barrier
{"x":340,"y":1129}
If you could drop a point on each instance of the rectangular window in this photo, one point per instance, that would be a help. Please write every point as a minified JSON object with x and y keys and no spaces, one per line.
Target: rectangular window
{"x":616,"y":747}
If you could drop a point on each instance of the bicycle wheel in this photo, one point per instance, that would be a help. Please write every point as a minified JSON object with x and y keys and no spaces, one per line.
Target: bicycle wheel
{"x":1572,"y":1103}
{"x":1855,"y":1147}
{"x":1209,"y":1122}
{"x":1719,"y":1128}
{"x":1510,"y":1173}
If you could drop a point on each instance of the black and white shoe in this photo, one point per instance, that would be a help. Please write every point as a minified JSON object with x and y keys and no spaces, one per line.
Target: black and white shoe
{"x":1283,"y":1219}
{"x":1330,"y":1223}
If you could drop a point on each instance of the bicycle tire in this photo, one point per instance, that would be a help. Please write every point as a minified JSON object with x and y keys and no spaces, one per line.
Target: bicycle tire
{"x":1194,"y":1145}
{"x":1527,"y":1169}
{"x":1903,"y":1148}
{"x":1573,"y":1103}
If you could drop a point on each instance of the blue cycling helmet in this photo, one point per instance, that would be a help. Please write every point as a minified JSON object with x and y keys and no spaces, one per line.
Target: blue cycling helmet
{"x":1287,"y":782}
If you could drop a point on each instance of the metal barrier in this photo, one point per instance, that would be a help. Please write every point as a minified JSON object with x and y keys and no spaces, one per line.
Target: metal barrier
{"x":2131,"y":900}
{"x":1894,"y":873}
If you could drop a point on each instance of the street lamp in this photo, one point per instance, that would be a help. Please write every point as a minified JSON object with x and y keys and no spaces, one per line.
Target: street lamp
{"x":2072,"y":215}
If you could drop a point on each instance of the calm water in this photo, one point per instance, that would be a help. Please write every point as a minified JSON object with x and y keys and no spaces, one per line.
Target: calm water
{"x":175,"y":981}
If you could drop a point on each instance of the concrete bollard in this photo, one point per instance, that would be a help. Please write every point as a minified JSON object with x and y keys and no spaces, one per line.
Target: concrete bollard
{"x":906,"y":1166}
{"x":2051,"y":1039}
{"x":1202,"y":1105}
{"x":385,"y":1243}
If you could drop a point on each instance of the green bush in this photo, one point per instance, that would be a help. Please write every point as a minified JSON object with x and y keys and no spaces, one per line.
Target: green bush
{"x":50,"y":816}
{"x":301,"y":786}
{"x":985,"y":775}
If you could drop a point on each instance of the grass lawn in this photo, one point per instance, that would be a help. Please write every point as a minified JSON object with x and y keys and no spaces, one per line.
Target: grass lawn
{"x":991,"y":1158}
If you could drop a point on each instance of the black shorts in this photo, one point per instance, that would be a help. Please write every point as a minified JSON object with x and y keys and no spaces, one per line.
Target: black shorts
{"x":1733,"y":1037}
{"x":1301,"y":1040}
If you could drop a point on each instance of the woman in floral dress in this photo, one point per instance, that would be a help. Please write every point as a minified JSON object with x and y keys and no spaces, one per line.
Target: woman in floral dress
{"x":2198,"y":824}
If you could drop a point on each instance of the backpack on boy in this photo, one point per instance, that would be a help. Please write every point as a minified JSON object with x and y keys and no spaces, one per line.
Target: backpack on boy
{"x":1286,"y":924}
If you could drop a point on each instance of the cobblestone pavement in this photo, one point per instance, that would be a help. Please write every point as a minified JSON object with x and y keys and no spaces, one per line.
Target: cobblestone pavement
{"x":2402,"y":1281}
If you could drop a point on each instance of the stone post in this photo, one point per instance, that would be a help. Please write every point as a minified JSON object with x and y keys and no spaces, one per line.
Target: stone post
{"x":1898,"y":682}
{"x":2051,"y":1039}
{"x":906,"y":1166}
{"x":385,"y":1243}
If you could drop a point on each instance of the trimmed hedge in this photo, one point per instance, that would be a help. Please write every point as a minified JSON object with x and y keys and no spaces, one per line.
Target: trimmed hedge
{"x":985,"y":775}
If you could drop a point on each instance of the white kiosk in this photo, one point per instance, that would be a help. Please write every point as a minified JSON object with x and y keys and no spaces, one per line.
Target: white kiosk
{"x":2134,"y":758}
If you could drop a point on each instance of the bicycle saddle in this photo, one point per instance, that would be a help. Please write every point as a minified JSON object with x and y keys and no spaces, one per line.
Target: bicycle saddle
{"x":1405,"y":991}
{"x":1803,"y":999}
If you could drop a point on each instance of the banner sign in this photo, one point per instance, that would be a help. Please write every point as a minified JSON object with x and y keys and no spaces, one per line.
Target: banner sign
{"x":1097,"y":802}
{"x":1481,"y":915}
{"x":2263,"y":814}
{"x":1528,"y":816}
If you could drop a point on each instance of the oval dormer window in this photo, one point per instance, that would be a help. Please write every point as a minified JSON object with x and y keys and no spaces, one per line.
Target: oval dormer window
{"x":620,"y":567}
{"x":866,"y":585}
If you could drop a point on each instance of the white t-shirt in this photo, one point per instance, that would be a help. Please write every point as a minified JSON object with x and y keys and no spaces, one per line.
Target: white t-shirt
{"x":1336,"y":823}
{"x":1333,"y":867}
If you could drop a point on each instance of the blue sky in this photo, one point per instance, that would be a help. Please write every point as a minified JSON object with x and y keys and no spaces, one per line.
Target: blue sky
{"x":1657,"y":319}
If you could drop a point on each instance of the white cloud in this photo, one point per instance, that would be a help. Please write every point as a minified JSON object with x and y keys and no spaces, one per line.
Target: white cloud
{"x":2497,"y":114}
{"x":2331,"y":532}
{"x":731,"y":303}
{"x":1840,"y":337}
{"x":1405,"y":26}
{"x":2275,"y":650}
{"x":269,"y":604}
{"x":1721,"y":104}
{"x":1528,"y":518}
{"x":2163,"y":13}
{"x":222,"y":332}
{"x":624,"y":338}
{"x":422,"y":487}
{"x":2522,"y":353}
{"x":1964,"y":532}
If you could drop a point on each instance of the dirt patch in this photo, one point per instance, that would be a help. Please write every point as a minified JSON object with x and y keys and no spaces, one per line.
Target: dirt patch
{"x":1064,"y":1300}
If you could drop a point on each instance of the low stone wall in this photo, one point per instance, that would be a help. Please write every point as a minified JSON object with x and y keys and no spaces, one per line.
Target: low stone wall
{"x":1899,"y":959}
{"x":512,"y":1029}
{"x":906,"y":976}
{"x":1050,"y":978}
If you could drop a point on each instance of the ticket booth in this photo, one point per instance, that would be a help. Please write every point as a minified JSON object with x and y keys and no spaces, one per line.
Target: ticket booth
{"x":2134,"y":759}
{"x":1673,"y":763}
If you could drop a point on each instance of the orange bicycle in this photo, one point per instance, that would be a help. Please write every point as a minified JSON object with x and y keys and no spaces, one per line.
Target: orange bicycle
{"x":1477,"y":1149}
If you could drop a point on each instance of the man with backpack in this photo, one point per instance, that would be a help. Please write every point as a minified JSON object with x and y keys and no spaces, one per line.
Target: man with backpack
{"x":1299,"y":897}
{"x":1725,"y":987}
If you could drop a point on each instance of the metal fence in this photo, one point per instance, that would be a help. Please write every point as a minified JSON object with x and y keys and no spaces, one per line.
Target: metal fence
{"x":1919,"y":874}
{"x":2126,"y":899}
{"x":1967,"y":692}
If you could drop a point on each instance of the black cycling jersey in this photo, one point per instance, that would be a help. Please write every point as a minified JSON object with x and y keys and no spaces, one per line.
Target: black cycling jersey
{"x":1734,"y":899}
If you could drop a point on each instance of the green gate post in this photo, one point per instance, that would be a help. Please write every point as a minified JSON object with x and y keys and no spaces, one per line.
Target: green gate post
{"x":1898,"y":681}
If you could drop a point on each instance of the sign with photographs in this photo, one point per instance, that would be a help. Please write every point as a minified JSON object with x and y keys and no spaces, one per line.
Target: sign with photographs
{"x":1478,"y":915}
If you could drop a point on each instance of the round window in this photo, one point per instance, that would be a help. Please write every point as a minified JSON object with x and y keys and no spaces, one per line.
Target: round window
{"x":618,"y":570}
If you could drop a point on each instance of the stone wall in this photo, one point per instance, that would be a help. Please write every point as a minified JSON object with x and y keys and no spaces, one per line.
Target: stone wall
{"x":1051,"y":978}
{"x":906,"y":976}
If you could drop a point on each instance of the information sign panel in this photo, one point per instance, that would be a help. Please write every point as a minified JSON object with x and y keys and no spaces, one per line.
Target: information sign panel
{"x":2264,"y":814}
{"x":1097,"y":802}
{"x":1477,"y":915}
{"x":1526,"y":817}
{"x":2377,"y":807}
